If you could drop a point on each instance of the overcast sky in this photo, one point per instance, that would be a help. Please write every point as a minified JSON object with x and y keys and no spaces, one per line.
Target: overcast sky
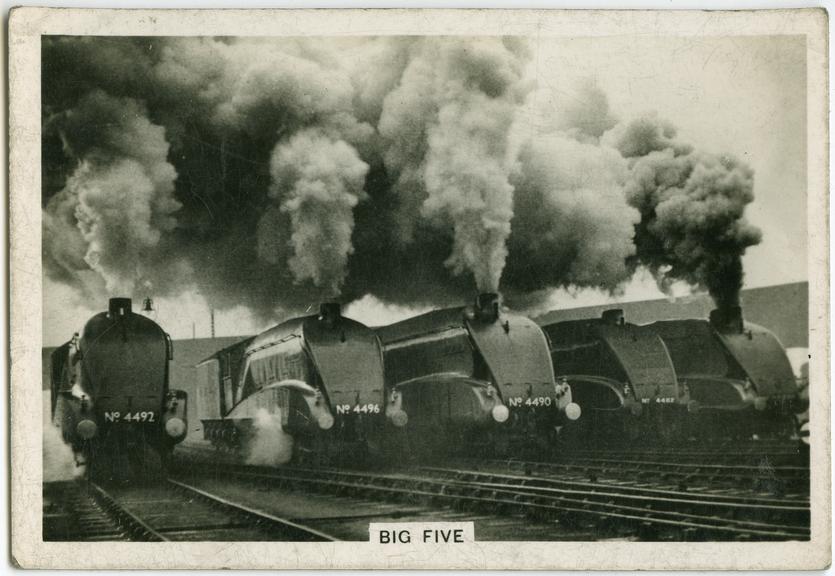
{"x":739,"y":95}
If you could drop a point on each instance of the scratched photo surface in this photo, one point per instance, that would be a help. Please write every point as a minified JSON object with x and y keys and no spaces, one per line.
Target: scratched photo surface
{"x":425,"y":290}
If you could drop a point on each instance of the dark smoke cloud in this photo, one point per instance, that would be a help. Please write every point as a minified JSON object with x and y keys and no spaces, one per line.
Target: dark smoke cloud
{"x":117,"y":204}
{"x":692,"y":208}
{"x":572,"y":225}
{"x":273,"y":173}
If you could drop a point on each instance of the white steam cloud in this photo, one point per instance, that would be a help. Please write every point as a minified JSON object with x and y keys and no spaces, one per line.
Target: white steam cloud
{"x":270,"y":444}
{"x":58,"y":458}
{"x":320,"y":181}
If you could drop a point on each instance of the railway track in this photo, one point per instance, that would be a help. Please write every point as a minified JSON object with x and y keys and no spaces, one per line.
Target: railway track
{"x":782,"y":453}
{"x":73,"y":513}
{"x":173,"y":511}
{"x":784,"y":480}
{"x":649,"y":514}
{"x":733,"y":510}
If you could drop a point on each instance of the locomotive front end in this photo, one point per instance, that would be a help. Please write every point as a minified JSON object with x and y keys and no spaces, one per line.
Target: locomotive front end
{"x":110,"y":389}
{"x":739,"y":376}
{"x":474,"y":376}
{"x":348,"y":358}
{"x":515,"y":353}
{"x":318,"y":379}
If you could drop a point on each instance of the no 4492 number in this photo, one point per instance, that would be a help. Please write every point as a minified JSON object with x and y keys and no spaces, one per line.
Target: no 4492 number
{"x":129,"y":417}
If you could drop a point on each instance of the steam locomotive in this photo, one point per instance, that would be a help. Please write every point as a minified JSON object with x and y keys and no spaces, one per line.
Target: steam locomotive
{"x":319,"y":378}
{"x":622,"y":375}
{"x":111,"y":397}
{"x":473,"y":376}
{"x":739,"y":377}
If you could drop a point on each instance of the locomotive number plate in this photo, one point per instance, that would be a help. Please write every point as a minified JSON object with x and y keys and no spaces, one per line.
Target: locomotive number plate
{"x":358,"y":409}
{"x":537,"y":401}
{"x":129,"y":417}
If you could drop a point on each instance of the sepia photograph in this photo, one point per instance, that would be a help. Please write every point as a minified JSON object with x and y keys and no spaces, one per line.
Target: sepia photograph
{"x":414,"y":284}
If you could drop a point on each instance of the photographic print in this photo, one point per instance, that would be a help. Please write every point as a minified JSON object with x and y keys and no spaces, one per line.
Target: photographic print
{"x":419,"y":289}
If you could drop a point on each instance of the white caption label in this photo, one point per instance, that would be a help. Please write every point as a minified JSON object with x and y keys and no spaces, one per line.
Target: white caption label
{"x":421,"y":532}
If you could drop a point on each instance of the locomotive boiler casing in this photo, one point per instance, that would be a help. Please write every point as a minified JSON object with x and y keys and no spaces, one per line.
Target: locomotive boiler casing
{"x":621,"y":374}
{"x":320,"y":378}
{"x":738,"y":374}
{"x":110,"y":390}
{"x":462,"y":371}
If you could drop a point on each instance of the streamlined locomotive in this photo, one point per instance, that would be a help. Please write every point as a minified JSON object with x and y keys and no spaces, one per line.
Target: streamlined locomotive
{"x":319,"y":377}
{"x":473,"y":376}
{"x":622,"y":376}
{"x":740,"y":379}
{"x":111,"y":396}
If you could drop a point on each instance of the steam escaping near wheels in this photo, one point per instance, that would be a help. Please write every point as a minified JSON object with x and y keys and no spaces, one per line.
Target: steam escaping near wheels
{"x":58,"y":459}
{"x":270,"y":445}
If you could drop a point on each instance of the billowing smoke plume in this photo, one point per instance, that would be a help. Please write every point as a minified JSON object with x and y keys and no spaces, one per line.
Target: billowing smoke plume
{"x":692,"y":204}
{"x":572,"y":225}
{"x":116,"y":205}
{"x":586,"y":115}
{"x":274,"y":173}
{"x":455,"y":105}
{"x":319,"y":181}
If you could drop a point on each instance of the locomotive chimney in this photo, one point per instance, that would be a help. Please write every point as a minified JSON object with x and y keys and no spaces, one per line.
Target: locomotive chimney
{"x":118,"y":307}
{"x":613,"y":317}
{"x":330,"y":312}
{"x":727,"y":319}
{"x":487,"y":306}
